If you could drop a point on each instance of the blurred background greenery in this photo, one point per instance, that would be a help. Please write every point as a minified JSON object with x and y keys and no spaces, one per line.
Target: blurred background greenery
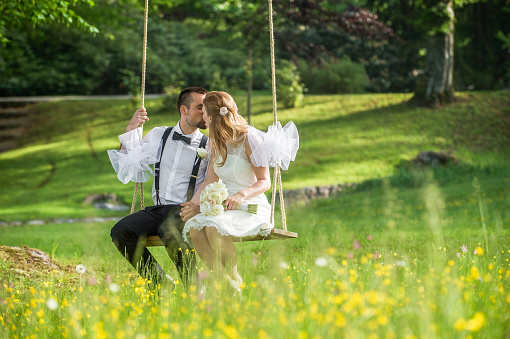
{"x":338,"y":46}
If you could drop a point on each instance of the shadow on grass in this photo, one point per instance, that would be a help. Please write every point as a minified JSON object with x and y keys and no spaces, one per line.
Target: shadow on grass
{"x":408,"y":175}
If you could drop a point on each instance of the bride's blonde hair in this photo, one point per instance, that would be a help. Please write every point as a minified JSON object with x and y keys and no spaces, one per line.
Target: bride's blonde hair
{"x":228,"y":128}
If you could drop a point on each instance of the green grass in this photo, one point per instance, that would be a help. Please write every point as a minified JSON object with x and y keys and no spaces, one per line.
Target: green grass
{"x":378,"y":263}
{"x":343,"y":139}
{"x":383,"y":260}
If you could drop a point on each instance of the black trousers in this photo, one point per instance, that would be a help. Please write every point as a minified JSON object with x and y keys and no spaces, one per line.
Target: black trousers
{"x":162,"y":220}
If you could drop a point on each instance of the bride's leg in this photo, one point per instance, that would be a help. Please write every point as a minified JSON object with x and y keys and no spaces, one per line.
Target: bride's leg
{"x":203,"y":247}
{"x":225,"y":250}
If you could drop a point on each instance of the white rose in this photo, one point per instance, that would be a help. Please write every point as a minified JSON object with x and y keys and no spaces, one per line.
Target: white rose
{"x":218,"y":186}
{"x":205,"y":193}
{"x":223,"y":110}
{"x":217,"y":210}
{"x":201,"y":152}
{"x":205,"y":207}
{"x":216,"y":196}
{"x":224,"y":195}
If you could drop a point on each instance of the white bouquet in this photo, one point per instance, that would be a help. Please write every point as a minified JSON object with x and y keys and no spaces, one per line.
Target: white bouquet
{"x":214,"y":195}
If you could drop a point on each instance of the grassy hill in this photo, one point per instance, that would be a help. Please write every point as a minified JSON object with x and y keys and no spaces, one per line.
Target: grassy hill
{"x":343,"y":139}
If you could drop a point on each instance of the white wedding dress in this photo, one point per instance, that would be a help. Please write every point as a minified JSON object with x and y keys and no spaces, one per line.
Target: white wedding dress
{"x":237,"y":174}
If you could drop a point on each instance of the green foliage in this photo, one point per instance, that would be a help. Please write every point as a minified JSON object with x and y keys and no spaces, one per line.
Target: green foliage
{"x":334,"y":76}
{"x":479,"y":57}
{"x":132,"y":82}
{"x":35,"y":63}
{"x":205,"y":42}
{"x":289,"y":88}
{"x":481,"y":61}
{"x":15,"y":13}
{"x":505,"y":39}
{"x":171,"y":96}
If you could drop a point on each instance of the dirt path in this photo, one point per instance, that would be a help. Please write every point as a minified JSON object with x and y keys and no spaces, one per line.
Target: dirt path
{"x":69,"y":97}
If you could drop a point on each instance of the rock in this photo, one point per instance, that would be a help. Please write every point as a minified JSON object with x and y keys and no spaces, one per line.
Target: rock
{"x":106,"y":201}
{"x":36,"y":222}
{"x":432,"y":158}
{"x":110,"y":207}
{"x":307,"y":194}
{"x":98,"y":198}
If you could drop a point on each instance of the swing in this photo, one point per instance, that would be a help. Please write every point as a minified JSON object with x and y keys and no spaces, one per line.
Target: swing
{"x":276,"y":234}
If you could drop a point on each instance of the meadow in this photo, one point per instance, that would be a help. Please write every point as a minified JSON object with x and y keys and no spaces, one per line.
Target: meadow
{"x":408,"y":253}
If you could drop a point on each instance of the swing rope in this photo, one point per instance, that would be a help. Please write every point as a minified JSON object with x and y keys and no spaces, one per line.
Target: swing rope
{"x":277,"y":178}
{"x":277,"y":172}
{"x":142,"y":94}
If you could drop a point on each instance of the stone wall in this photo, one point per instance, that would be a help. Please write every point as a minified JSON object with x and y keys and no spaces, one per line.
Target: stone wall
{"x":306,"y":194}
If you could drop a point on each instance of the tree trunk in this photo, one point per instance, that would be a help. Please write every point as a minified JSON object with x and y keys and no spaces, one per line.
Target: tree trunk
{"x":435,"y":88}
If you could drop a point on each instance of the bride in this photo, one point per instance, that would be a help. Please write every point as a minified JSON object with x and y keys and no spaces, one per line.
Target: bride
{"x":231,"y":142}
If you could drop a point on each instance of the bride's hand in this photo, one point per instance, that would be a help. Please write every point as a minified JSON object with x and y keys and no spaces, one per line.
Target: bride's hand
{"x":189,"y":210}
{"x":235,"y":201}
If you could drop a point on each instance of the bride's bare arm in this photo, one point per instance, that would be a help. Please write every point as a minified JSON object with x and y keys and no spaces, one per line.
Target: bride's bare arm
{"x":262,"y":184}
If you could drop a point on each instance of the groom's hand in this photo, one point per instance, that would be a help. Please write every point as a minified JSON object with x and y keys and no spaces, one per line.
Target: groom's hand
{"x":189,"y":210}
{"x":139,"y":118}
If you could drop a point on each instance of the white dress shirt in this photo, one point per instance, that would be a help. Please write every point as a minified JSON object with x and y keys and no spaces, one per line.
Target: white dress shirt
{"x":176,"y":165}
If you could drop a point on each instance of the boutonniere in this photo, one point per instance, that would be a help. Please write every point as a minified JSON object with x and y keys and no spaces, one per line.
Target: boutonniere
{"x":201,"y":153}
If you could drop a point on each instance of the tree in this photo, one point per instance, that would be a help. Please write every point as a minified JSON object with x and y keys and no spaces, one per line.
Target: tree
{"x":298,"y":17}
{"x":320,"y":31}
{"x":435,"y":87}
{"x":239,"y":21}
{"x":18,"y":12}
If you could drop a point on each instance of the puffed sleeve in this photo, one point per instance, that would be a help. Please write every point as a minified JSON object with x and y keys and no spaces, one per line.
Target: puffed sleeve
{"x":276,"y":147}
{"x":133,"y":162}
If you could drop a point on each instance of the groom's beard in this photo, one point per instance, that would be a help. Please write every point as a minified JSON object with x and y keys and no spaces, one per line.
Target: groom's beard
{"x":202,"y":125}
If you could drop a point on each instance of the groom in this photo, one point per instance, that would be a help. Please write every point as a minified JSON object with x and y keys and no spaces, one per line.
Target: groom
{"x":180,"y":172}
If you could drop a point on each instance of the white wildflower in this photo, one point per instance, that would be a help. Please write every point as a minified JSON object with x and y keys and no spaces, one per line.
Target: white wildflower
{"x":114,"y":287}
{"x":80,"y":269}
{"x":400,"y":263}
{"x":52,"y":304}
{"x":321,"y":261}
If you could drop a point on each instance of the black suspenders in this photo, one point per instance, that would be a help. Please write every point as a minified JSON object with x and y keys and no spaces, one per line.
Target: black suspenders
{"x":156,"y":167}
{"x":194,"y":173}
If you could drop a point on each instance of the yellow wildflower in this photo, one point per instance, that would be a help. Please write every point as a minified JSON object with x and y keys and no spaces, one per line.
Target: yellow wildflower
{"x":476,"y":323}
{"x":331,"y":250}
{"x":474,"y":273}
{"x":382,"y":320}
{"x":460,"y":324}
{"x":479,"y":251}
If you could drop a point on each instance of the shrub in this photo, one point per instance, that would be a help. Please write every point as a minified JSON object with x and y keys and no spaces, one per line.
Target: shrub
{"x":170,"y":98}
{"x":334,"y":76}
{"x":289,"y":87}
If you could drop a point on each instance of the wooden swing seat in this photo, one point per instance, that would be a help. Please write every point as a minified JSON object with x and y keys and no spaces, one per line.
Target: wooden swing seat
{"x":276,"y":234}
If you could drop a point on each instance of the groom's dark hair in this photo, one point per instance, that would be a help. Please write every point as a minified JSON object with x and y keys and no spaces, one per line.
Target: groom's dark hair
{"x":185,"y":97}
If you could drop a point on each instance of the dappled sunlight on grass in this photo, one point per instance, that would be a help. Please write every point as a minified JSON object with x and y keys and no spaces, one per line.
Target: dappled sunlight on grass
{"x":343,"y":139}
{"x":31,"y":150}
